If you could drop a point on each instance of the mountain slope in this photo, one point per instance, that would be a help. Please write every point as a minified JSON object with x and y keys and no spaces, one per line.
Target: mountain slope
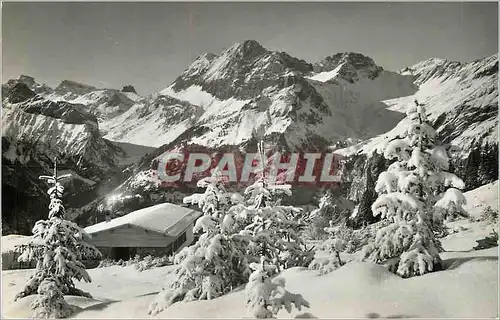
{"x":226,"y":101}
{"x":34,"y":132}
{"x":154,"y":121}
{"x":248,"y":89}
{"x":461,"y":99}
{"x":104,"y":103}
{"x":462,"y":102}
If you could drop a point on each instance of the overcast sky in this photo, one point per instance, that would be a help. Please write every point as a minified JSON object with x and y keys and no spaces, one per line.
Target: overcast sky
{"x":149,"y":44}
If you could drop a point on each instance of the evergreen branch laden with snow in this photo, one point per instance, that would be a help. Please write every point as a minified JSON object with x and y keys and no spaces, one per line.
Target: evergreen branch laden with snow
{"x":415,"y":195}
{"x":59,"y":248}
{"x":265,"y":297}
{"x":218,"y":261}
{"x":235,"y":233}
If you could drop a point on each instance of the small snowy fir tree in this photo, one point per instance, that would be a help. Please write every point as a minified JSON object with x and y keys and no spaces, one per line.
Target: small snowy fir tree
{"x":218,"y":261}
{"x":319,"y":218}
{"x":325,"y":202}
{"x":50,"y":303}
{"x":273,"y":228}
{"x":335,"y":244}
{"x":266,"y":297}
{"x":59,"y":247}
{"x":450,"y":205}
{"x":413,"y":194}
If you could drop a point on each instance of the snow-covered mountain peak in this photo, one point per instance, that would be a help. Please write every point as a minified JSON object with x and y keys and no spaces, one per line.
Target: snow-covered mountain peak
{"x":348,"y":66}
{"x":247,"y":49}
{"x":243,"y":71}
{"x":358,"y":60}
{"x":129,"y":88}
{"x":70,"y":86}
{"x":17,"y":92}
{"x":240,"y":54}
{"x":30,"y":82}
{"x":461,"y":100}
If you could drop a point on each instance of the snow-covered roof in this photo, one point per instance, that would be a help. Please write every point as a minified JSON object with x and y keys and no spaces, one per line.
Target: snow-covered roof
{"x":10,"y":241}
{"x":165,"y":218}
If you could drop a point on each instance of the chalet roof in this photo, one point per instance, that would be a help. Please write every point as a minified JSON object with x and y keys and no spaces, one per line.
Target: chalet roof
{"x":164,"y":218}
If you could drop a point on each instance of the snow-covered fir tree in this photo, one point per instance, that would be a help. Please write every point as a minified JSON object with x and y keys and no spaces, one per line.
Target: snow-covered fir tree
{"x":324,"y":204}
{"x":318,"y":219}
{"x":218,"y":261}
{"x":59,"y":247}
{"x":235,"y":233}
{"x":265,"y":297}
{"x":334,"y":245}
{"x":273,"y":228}
{"x":413,"y":194}
{"x":50,"y":303}
{"x":337,"y":242}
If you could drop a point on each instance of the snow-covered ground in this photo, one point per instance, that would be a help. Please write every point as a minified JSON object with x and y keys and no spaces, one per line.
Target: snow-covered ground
{"x":482,"y":197}
{"x":467,"y":288}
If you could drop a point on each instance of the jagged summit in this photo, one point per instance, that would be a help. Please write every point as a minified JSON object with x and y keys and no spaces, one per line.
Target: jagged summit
{"x":248,"y":48}
{"x":74,"y":87}
{"x":129,"y":88}
{"x":357,"y":60}
{"x":18,"y":92}
{"x":348,"y":65}
{"x":30,"y":82}
{"x":241,"y":71}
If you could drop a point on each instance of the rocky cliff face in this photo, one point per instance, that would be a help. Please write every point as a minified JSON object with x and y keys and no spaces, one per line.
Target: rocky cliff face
{"x":350,"y":66}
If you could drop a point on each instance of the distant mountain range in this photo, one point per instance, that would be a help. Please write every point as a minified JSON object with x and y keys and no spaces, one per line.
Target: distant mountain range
{"x":345,"y":102}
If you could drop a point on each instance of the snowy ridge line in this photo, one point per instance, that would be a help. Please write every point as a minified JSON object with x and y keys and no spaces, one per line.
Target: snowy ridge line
{"x":455,"y":95}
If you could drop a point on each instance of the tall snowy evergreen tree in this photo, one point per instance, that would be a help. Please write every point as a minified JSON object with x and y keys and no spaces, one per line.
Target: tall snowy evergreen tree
{"x":218,"y":261}
{"x":59,"y":247}
{"x":235,"y":234}
{"x":273,"y":228}
{"x":413,"y":193}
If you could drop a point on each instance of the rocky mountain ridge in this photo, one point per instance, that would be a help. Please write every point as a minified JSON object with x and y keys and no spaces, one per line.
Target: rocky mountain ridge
{"x":35,"y":131}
